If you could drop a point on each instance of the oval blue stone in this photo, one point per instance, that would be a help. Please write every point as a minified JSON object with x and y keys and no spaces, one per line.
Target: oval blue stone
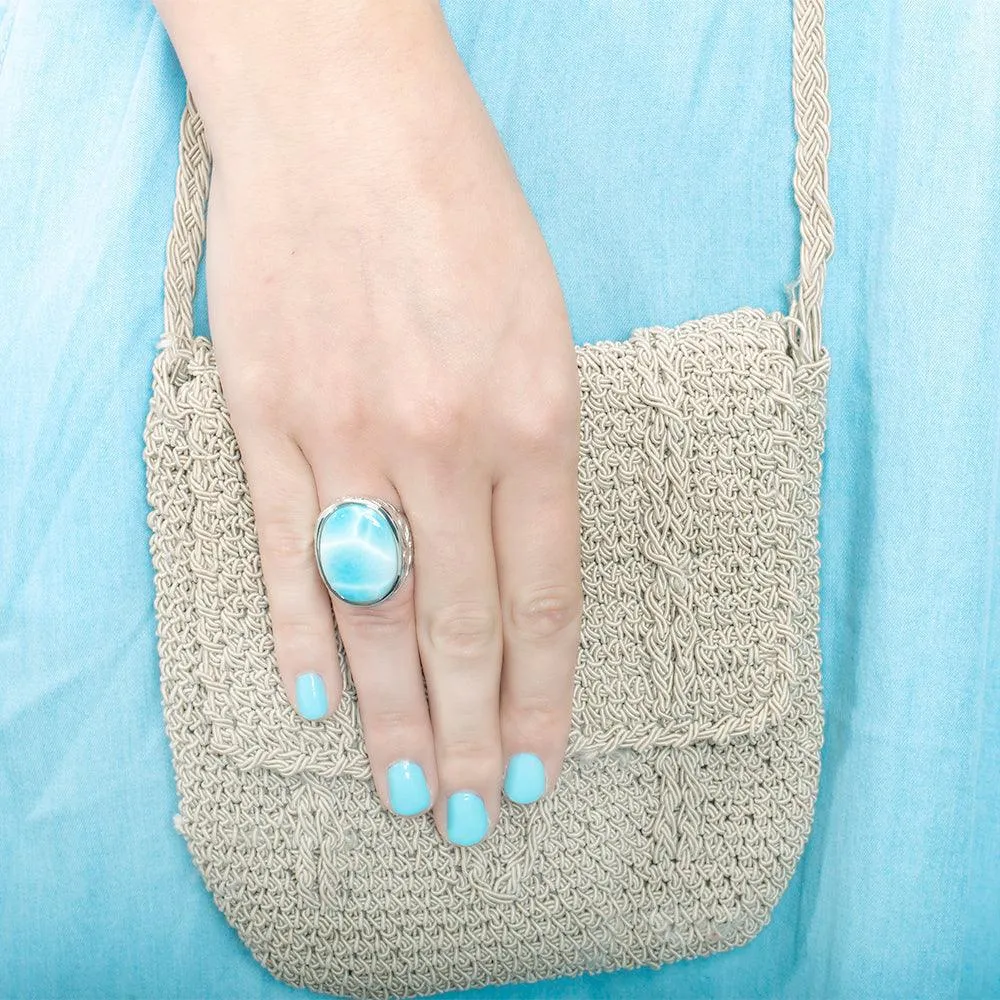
{"x":359,"y":555}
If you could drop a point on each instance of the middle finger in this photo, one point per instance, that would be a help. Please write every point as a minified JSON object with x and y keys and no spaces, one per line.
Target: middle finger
{"x":458,"y":624}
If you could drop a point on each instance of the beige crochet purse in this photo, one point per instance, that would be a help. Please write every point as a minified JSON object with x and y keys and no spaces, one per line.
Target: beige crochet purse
{"x":688,"y":788}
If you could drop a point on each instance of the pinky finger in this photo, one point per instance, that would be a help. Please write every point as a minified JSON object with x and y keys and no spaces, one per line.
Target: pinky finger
{"x":283,"y":491}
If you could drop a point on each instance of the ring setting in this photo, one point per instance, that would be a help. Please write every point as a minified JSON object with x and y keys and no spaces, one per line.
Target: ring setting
{"x":364,"y":549}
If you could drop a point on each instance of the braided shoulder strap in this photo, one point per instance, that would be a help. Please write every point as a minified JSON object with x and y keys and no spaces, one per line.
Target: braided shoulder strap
{"x":810,"y":85}
{"x":810,"y":183}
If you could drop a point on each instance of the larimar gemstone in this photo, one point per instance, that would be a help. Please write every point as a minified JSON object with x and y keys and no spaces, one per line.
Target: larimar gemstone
{"x":359,"y":554}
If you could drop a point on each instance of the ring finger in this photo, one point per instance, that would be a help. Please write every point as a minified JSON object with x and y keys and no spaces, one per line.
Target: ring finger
{"x":381,"y":647}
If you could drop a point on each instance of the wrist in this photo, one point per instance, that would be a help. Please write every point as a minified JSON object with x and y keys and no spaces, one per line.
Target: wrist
{"x":280,"y":69}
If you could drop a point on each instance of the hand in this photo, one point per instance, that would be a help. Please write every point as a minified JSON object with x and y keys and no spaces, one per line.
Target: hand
{"x":388,"y":322}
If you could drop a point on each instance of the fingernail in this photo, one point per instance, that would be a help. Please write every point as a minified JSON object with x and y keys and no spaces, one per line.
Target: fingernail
{"x":310,"y":696}
{"x":467,"y":819}
{"x":408,"y":791}
{"x":525,"y":780}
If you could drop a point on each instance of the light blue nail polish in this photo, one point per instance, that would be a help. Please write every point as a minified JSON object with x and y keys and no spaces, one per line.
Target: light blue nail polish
{"x":525,"y":781}
{"x":310,"y":696}
{"x":467,"y":819}
{"x":408,"y":791}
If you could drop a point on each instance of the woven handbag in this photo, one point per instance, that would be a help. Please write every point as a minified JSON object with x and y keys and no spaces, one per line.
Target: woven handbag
{"x":687,"y":790}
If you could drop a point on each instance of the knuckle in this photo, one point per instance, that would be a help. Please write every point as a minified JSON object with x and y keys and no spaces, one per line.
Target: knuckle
{"x":253,"y":384}
{"x":396,"y":725}
{"x":464,"y":631}
{"x":432,"y":423}
{"x":476,"y":757}
{"x":546,"y":611}
{"x":538,"y":715}
{"x":548,"y":425}
{"x":346,"y":414}
{"x":283,"y":539}
{"x":297,"y":635}
{"x":468,"y":745}
{"x":388,"y":618}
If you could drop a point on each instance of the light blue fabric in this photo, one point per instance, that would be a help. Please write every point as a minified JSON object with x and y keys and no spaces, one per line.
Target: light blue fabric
{"x":654,"y":142}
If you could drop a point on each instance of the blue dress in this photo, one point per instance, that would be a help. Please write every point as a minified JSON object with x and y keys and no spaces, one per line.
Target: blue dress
{"x":654,"y":143}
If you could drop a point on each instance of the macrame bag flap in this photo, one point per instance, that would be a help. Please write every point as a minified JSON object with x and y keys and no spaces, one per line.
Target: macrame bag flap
{"x":688,"y":786}
{"x":697,"y":495}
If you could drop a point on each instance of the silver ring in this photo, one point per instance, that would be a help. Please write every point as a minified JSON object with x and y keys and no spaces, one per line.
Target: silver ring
{"x":364,"y":549}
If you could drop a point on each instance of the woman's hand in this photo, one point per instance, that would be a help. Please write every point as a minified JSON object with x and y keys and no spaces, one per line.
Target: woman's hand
{"x":388,"y":322}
